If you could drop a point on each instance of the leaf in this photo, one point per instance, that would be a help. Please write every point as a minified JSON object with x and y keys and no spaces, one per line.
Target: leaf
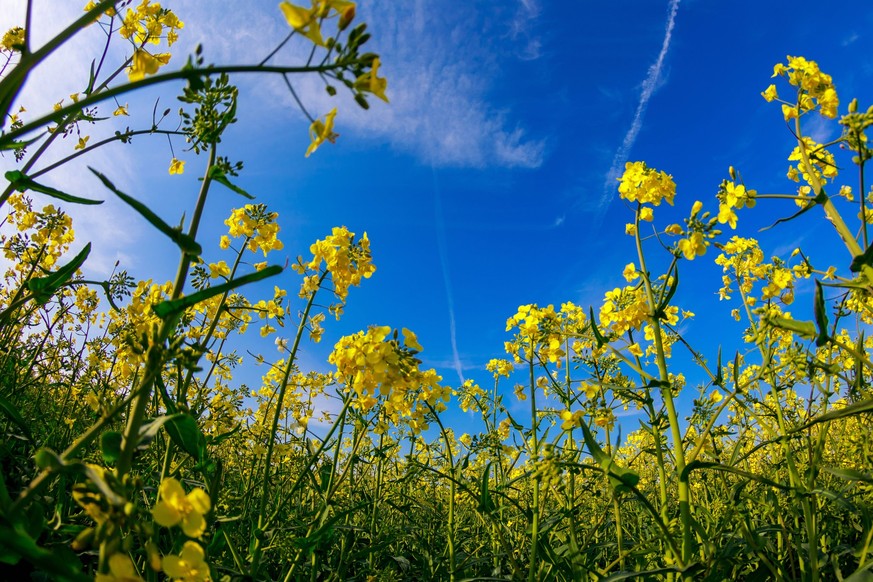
{"x":12,"y":413}
{"x":216,"y":174}
{"x":185,"y":433}
{"x":44,"y":287}
{"x":175,"y":307}
{"x":849,"y":474}
{"x":865,"y":258}
{"x":110,"y":446}
{"x":597,"y":335}
{"x":621,"y":478}
{"x":694,"y":465}
{"x":805,"y":329}
{"x":59,"y":563}
{"x":851,"y":410}
{"x":660,"y":310}
{"x":719,"y":377}
{"x":18,"y":144}
{"x":22,"y":183}
{"x":486,"y":504}
{"x":821,"y":316}
{"x":188,"y":245}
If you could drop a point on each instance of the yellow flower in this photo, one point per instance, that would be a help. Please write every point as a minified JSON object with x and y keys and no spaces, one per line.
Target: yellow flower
{"x":224,"y":242}
{"x":176,"y":166}
{"x":630,"y":272}
{"x":303,"y":21}
{"x":320,"y":131}
{"x":693,"y":246}
{"x":145,"y":63}
{"x":639,"y":183}
{"x":646,"y":214}
{"x":219,"y":269}
{"x":189,"y":566}
{"x":121,"y":569}
{"x":176,"y":508}
{"x":122,"y":110}
{"x":769,"y":94}
{"x":371,"y":83}
{"x":83,"y":141}
{"x":411,"y":340}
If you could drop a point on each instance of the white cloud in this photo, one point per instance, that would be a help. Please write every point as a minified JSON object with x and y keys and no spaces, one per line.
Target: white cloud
{"x":439,"y":66}
{"x":650,"y":84}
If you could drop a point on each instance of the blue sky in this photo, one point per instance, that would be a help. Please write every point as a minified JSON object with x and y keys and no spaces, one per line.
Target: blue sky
{"x":488,"y":182}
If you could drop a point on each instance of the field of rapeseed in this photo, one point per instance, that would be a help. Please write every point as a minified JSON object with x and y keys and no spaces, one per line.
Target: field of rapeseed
{"x":131,"y":452}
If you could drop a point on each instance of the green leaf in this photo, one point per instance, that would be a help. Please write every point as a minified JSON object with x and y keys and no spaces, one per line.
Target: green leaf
{"x":660,"y":310}
{"x":597,"y":335}
{"x":188,"y":245}
{"x":621,"y":478}
{"x":694,"y":465}
{"x":44,"y":287}
{"x":12,"y":414}
{"x":22,"y":183}
{"x":855,"y":409}
{"x":18,"y":144}
{"x":110,"y":446}
{"x":805,"y":329}
{"x":486,"y":504}
{"x":865,"y":258}
{"x":176,"y":307}
{"x":185,"y":433}
{"x":719,"y":377}
{"x":59,"y":563}
{"x":215,"y":173}
{"x":821,"y":316}
{"x":849,"y":474}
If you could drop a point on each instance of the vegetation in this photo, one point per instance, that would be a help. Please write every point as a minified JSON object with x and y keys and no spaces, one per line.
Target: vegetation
{"x":132,"y":453}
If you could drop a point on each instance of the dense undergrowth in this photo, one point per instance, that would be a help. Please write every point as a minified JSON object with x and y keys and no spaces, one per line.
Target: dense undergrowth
{"x":131,"y":452}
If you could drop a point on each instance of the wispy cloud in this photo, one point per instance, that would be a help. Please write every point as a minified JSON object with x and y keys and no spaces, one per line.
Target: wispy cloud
{"x":444,"y":265}
{"x":649,"y":85}
{"x":441,"y":69}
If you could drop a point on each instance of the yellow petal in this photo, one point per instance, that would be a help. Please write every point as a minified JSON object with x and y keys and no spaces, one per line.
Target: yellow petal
{"x":165,"y":514}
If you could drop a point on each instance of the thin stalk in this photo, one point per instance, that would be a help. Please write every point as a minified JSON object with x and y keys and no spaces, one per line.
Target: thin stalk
{"x":672,"y":417}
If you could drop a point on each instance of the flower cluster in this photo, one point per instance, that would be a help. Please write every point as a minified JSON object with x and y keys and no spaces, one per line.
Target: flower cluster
{"x":624,"y":309}
{"x":814,"y":88}
{"x":733,"y":196}
{"x":346,"y":260}
{"x":13,"y":40}
{"x":821,"y":162}
{"x":642,"y":184}
{"x":148,"y":23}
{"x":539,"y":333}
{"x":745,"y":259}
{"x":375,"y":364}
{"x":257,"y":226}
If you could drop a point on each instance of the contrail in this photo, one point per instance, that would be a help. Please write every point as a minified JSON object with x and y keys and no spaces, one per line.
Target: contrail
{"x":444,"y":264}
{"x":648,"y":88}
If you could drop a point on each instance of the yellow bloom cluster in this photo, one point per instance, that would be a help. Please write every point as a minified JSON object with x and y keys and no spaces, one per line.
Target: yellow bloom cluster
{"x":257,"y":226}
{"x":376,"y":364}
{"x":730,"y":196}
{"x":820,"y":160}
{"x":744,"y":257}
{"x":814,"y":88}
{"x":12,"y":39}
{"x":499,"y":368}
{"x":639,"y":183}
{"x":539,"y":333}
{"x":470,"y":396}
{"x":51,"y":236}
{"x":148,"y":23}
{"x":624,"y":309}
{"x":348,"y":261}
